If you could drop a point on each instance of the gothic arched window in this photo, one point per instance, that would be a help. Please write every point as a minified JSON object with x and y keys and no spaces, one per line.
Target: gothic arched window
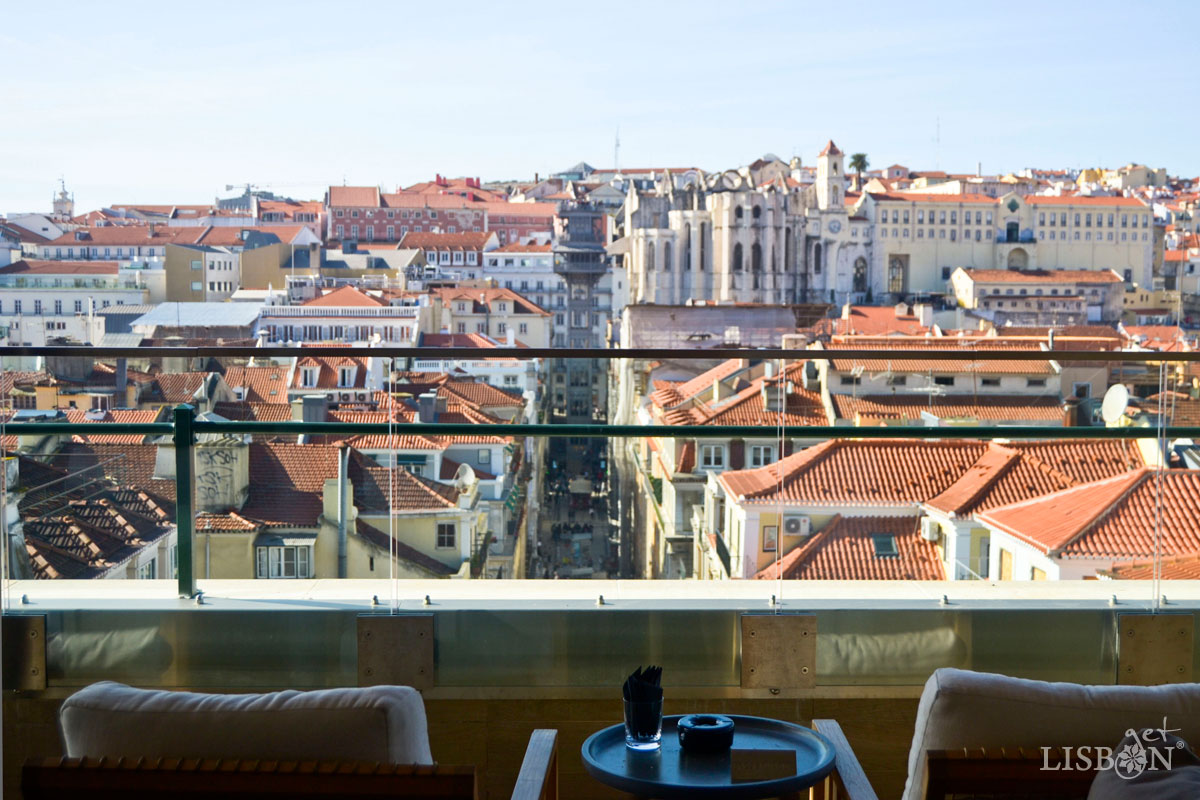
{"x":756,"y":257}
{"x":737,"y":257}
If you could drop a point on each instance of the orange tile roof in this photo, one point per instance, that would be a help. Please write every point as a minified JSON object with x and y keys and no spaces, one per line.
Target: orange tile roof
{"x":1043,"y":275}
{"x":1178,"y":568}
{"x":33,"y":267}
{"x":979,"y":407}
{"x":359,"y":196}
{"x":327,"y":372}
{"x":1110,"y":518}
{"x":345,"y":296}
{"x":845,"y":550}
{"x":1182,"y":409}
{"x":231,"y":235}
{"x":967,"y":365}
{"x":257,"y":412}
{"x":878,"y":320}
{"x":857,"y":473}
{"x":374,"y":493}
{"x":830,"y":149}
{"x":122,"y":235}
{"x":483,"y":299}
{"x":175,"y":387}
{"x":466,"y":240}
{"x":120,"y":415}
{"x":287,"y":481}
{"x":262,"y":384}
{"x":916,"y":197}
{"x":1083,"y":200}
{"x":479,"y":394}
{"x":1020,"y":471}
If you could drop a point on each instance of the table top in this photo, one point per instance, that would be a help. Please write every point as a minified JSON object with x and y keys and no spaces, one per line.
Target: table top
{"x":669,"y":772}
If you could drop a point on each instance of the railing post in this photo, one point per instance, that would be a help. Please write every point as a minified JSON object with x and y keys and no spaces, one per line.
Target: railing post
{"x":185,"y":493}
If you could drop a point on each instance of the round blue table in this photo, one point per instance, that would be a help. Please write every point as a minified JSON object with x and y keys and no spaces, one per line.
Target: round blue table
{"x":669,"y":772}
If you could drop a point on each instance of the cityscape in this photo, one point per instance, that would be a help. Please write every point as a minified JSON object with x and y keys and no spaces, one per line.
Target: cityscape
{"x":663,"y":399}
{"x":824,"y":252}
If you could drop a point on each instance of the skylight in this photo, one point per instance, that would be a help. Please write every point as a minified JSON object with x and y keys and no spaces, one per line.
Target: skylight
{"x":885,"y":545}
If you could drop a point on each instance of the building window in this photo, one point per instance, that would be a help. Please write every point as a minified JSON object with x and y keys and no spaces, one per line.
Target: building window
{"x":197,"y":286}
{"x":944,"y":380}
{"x":308,"y":375}
{"x":196,"y":264}
{"x":484,"y":456}
{"x":285,"y":561}
{"x":148,"y":571}
{"x":58,"y":306}
{"x":446,"y":534}
{"x":345,"y":376}
{"x":1035,"y":382}
{"x":712,"y":456}
{"x":78,"y":306}
{"x":761,"y":455}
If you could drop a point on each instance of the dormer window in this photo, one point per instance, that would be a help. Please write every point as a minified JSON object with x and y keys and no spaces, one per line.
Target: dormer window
{"x":308,"y":376}
{"x":346,"y":376}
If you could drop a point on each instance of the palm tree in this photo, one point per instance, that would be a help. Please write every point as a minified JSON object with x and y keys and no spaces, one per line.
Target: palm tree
{"x":859,"y":163}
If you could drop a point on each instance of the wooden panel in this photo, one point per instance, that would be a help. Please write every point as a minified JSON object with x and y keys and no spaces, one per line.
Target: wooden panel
{"x":1154,"y":649}
{"x":779,"y":651}
{"x":24,"y":652}
{"x":395,"y":650}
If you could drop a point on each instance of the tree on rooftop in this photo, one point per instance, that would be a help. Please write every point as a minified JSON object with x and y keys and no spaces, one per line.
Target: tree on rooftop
{"x":859,"y":163}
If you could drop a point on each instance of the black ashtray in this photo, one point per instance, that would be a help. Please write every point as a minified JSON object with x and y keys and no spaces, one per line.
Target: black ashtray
{"x":705,"y":733}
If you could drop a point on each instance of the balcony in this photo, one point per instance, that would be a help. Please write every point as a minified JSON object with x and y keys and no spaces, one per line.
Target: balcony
{"x":513,"y":655}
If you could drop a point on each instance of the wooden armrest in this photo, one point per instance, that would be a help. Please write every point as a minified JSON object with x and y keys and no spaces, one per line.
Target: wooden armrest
{"x":847,"y":779}
{"x":538,"y":779}
{"x":182,"y":778}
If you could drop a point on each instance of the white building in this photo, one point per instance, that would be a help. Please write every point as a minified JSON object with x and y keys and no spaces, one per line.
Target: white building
{"x":348,"y":314}
{"x":45,"y":300}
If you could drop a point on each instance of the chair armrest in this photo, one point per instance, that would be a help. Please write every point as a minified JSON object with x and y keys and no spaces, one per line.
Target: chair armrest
{"x":538,"y":779}
{"x":847,"y":779}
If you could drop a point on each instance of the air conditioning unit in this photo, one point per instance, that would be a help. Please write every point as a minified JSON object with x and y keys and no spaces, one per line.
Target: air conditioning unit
{"x":796,"y":525}
{"x":362,"y":396}
{"x":345,"y":397}
{"x":930,"y":530}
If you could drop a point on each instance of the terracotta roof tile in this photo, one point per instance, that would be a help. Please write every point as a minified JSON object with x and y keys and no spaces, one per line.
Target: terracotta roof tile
{"x":942,"y":366}
{"x":1111,"y":518}
{"x":356,"y":196}
{"x":1178,"y":568}
{"x":287,"y":481}
{"x":1043,"y":275}
{"x":32,"y":267}
{"x":261,"y":384}
{"x":857,"y":473}
{"x":845,"y":550}
{"x":998,"y":408}
{"x":345,"y":296}
{"x":1020,"y":471}
{"x":467,"y":240}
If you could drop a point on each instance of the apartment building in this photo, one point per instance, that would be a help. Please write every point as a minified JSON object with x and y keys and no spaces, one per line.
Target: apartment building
{"x":1040,"y":296}
{"x":45,"y":301}
{"x":496,"y":313}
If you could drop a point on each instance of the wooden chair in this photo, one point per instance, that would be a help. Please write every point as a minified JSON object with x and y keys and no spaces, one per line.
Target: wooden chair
{"x":980,"y":773}
{"x":248,"y":779}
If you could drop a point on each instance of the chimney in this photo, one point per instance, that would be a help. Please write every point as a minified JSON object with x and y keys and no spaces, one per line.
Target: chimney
{"x":314,"y":408}
{"x":121,"y":378}
{"x":1071,"y":412}
{"x":153,"y":228}
{"x":427,"y":407}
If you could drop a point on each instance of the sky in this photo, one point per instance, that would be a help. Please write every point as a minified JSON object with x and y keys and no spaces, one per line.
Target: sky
{"x":170,"y":102}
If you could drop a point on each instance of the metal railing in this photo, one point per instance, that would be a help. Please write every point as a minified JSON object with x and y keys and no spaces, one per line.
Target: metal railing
{"x":185,"y":427}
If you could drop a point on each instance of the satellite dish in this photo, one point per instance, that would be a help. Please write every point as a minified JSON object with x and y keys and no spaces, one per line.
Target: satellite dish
{"x":1116,"y":400}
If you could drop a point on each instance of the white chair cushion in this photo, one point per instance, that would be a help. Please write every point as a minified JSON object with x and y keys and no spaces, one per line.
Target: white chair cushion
{"x":378,"y":723}
{"x":960,"y":708}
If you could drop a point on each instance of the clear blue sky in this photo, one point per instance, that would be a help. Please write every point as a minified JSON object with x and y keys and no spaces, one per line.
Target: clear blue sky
{"x":168,"y":102}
